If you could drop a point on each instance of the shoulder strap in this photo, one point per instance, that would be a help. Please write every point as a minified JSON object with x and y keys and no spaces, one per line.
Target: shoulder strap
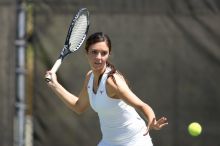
{"x":90,"y":83}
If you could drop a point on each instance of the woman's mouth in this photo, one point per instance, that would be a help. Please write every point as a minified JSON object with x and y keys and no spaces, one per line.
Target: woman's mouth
{"x":98,"y":63}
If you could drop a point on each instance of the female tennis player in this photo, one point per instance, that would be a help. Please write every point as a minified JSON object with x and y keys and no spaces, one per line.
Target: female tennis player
{"x":106,"y":91}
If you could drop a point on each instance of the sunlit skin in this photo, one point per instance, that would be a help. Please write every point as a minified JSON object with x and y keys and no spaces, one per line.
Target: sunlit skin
{"x":97,"y":56}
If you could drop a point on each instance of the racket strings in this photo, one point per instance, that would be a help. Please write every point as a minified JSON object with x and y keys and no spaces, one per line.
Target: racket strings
{"x":78,"y":32}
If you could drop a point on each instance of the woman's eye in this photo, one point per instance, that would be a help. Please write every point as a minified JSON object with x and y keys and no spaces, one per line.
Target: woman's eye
{"x":104,"y":53}
{"x":94,"y":52}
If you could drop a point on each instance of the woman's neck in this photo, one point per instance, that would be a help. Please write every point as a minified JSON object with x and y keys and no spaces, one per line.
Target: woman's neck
{"x":97,"y":73}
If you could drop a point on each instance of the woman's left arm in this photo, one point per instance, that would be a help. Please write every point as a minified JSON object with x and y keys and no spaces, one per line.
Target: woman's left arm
{"x":121,"y":90}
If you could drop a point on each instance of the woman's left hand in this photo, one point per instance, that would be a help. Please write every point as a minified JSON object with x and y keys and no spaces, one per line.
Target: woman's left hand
{"x":157,"y":124}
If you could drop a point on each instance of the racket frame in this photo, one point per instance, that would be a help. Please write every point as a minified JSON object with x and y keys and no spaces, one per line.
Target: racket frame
{"x":65,"y":51}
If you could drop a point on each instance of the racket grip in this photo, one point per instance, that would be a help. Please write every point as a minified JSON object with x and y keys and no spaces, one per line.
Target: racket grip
{"x":48,"y":78}
{"x":54,"y":69}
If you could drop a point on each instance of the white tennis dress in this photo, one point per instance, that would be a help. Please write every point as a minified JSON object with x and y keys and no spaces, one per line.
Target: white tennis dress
{"x":120,"y":123}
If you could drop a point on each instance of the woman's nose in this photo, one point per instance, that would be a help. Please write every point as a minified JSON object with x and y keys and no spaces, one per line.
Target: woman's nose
{"x":98,"y":56}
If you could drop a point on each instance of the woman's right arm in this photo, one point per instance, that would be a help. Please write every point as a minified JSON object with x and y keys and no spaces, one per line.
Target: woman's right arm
{"x":77,"y":103}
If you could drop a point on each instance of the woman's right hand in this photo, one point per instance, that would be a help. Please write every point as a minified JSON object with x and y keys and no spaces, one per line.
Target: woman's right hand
{"x":53,"y":78}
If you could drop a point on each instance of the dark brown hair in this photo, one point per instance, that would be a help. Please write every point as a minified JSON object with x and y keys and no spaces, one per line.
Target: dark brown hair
{"x":101,"y":37}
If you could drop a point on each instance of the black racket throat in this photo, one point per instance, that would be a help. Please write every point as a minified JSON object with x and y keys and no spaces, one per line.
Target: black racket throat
{"x":66,"y":51}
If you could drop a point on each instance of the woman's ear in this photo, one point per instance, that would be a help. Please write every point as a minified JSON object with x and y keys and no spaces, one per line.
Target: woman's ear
{"x":110,"y":56}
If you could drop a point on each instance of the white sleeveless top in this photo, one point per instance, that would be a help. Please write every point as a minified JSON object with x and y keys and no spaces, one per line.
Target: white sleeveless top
{"x":119,"y":121}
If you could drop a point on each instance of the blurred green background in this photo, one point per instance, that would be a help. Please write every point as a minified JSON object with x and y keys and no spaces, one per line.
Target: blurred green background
{"x":169,"y":50}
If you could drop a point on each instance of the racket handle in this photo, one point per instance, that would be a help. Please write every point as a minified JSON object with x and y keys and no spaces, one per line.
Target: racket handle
{"x":54,"y":69}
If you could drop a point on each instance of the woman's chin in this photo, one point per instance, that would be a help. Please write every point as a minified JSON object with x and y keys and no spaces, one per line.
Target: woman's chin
{"x":98,"y":68}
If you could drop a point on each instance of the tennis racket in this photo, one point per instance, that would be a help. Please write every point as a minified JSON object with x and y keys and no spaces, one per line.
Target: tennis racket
{"x":77,"y":33}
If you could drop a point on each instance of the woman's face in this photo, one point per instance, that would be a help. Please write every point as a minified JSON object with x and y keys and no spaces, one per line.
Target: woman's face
{"x":97,"y":55}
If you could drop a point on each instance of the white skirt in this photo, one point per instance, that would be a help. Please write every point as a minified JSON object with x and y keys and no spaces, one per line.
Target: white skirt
{"x":137,"y":140}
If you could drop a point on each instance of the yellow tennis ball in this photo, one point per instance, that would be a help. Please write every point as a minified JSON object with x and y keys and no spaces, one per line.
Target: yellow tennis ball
{"x":194,"y":129}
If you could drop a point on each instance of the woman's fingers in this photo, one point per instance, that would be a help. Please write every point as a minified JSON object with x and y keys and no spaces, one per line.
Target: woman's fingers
{"x":157,"y":125}
{"x":162,"y":121}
